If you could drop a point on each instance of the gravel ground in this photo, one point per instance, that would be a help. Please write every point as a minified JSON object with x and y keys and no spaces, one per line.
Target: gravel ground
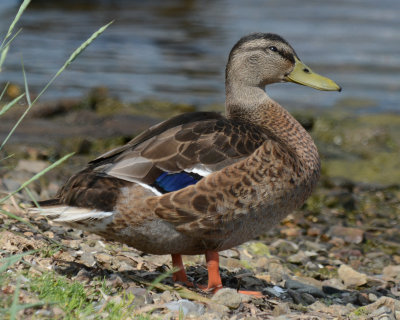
{"x":336,"y":258}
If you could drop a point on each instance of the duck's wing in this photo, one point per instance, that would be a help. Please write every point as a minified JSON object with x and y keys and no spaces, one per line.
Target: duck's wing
{"x":193,"y":144}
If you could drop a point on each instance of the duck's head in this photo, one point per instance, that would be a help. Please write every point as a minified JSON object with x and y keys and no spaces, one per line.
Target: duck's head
{"x":264,"y":58}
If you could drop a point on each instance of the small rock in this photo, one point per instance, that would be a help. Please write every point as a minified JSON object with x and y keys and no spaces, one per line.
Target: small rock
{"x":142,"y":296}
{"x":334,"y":282}
{"x":304,"y":288}
{"x":351,"y":235}
{"x":185,"y":306}
{"x":211,"y":316}
{"x":259,"y":249}
{"x":261,"y":262}
{"x":298,"y":258}
{"x":217,"y":308}
{"x":32,"y":166}
{"x":291,"y":232}
{"x":275,"y":291}
{"x":311,"y":266}
{"x":372,"y":297}
{"x":83,"y":276}
{"x":103,"y":258}
{"x":87,"y":259}
{"x":392,"y":272}
{"x":124,"y":267}
{"x":230,"y":254}
{"x":276,"y":271}
{"x":335,"y":310}
{"x":331,"y":290}
{"x":382,"y":313}
{"x":301,"y":297}
{"x":231,"y":264}
{"x":315,"y":246}
{"x":167,"y":296}
{"x":285,"y":246}
{"x":228,"y":297}
{"x":248,"y":282}
{"x":337,"y":242}
{"x":280,"y":309}
{"x":390,"y":303}
{"x":350,"y":277}
{"x":313,"y":232}
{"x":114,"y":281}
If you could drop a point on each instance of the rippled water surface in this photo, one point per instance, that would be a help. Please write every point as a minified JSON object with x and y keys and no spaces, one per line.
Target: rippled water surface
{"x":177,"y":50}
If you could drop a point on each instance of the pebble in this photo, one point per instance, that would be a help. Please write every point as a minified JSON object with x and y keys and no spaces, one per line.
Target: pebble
{"x":281,"y":309}
{"x":301,"y":297}
{"x":228,"y":297}
{"x":350,"y":277}
{"x":114,"y":281}
{"x":314,"y":246}
{"x":32,"y":166}
{"x":142,"y":296}
{"x":304,"y":288}
{"x":350,"y":235}
{"x":392,"y":272}
{"x":218,"y":308}
{"x":185,"y":306}
{"x":382,"y":313}
{"x":275,"y":291}
{"x":335,"y":310}
{"x":284,"y":246}
{"x":372,"y":297}
{"x":298,"y":258}
{"x":167,"y":296}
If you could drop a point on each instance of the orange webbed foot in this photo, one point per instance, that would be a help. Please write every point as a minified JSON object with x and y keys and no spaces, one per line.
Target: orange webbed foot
{"x":214,"y":278}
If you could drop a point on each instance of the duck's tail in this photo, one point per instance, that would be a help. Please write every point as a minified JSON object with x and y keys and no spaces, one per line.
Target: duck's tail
{"x":65,"y":214}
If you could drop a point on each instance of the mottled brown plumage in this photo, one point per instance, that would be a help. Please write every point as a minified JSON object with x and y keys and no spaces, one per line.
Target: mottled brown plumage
{"x":247,"y":170}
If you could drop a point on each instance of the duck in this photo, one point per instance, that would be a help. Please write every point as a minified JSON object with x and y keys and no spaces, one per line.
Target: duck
{"x":203,"y":182}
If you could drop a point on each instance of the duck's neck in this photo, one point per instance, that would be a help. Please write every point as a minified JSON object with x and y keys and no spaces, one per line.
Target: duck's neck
{"x":253,"y":105}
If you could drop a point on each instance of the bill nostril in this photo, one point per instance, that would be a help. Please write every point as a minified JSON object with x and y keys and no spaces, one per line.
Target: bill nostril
{"x":306,"y":70}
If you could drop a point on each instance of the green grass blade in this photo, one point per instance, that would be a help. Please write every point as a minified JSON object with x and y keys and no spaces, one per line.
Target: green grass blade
{"x":21,"y":10}
{"x":161,"y":277}
{"x":3,"y":56}
{"x":8,"y":157}
{"x":72,"y":57}
{"x":4,"y":91}
{"x":28,"y":96}
{"x":4,"y":49}
{"x":15,"y":306}
{"x":28,"y":191}
{"x":7,"y":44}
{"x":9,"y":261}
{"x":10,"y":104}
{"x":36,"y":176}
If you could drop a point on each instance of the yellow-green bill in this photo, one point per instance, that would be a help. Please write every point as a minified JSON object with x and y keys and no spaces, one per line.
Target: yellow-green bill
{"x":302,"y":74}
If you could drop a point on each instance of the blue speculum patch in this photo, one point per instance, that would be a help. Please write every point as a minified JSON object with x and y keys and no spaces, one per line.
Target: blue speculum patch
{"x":168,"y":182}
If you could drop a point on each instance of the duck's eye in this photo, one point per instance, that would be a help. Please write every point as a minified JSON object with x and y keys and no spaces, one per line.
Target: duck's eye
{"x":273,"y":48}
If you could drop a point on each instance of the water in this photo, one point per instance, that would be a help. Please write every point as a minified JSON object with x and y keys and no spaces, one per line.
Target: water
{"x":177,"y":50}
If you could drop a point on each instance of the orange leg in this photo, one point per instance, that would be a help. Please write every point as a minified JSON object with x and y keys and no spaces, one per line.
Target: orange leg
{"x":214,"y":278}
{"x":180,"y":275}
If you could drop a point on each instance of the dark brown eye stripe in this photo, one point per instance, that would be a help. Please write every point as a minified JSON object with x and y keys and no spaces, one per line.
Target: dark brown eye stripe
{"x":286,"y":55}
